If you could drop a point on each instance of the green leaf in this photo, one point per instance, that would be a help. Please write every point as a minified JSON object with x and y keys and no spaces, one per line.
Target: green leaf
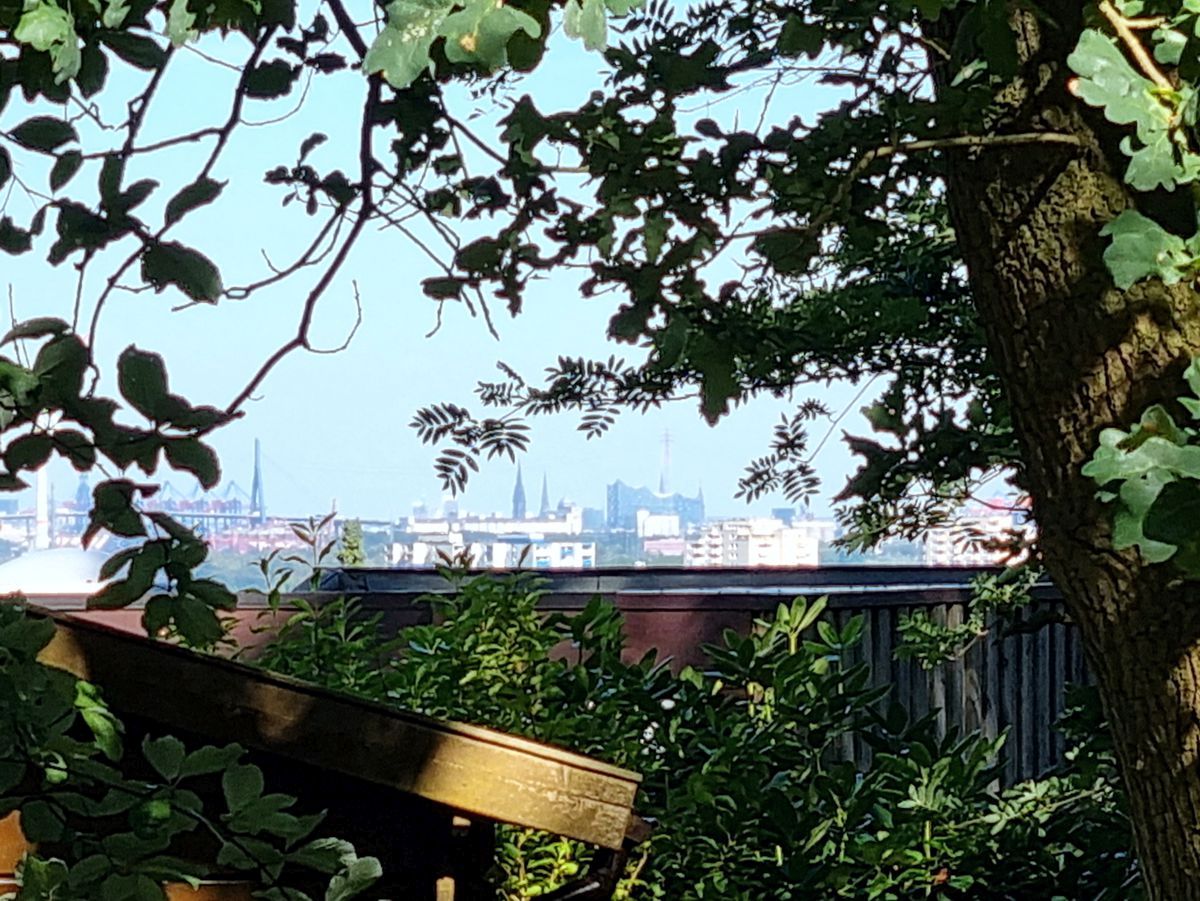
{"x":40,"y":823}
{"x":14,"y":240}
{"x":93,"y":69}
{"x":28,"y":452}
{"x":115,"y":12}
{"x":481,"y":31}
{"x":1141,"y":248}
{"x":197,"y":194}
{"x":357,"y":877}
{"x":1169,"y":46}
{"x":799,"y":38}
{"x":134,"y":196}
{"x":194,"y":456}
{"x":165,"y":754}
{"x":5,"y":166}
{"x":197,"y":622}
{"x":481,"y":255}
{"x":269,"y":80}
{"x":1155,"y":165}
{"x":1192,"y":376}
{"x":1174,"y":517}
{"x":42,"y":878}
{"x":587,"y":20}
{"x":38,"y":327}
{"x":325,"y":855}
{"x":401,"y":50}
{"x":76,"y":448}
{"x":44,"y":133}
{"x":106,"y":728}
{"x":242,"y":786}
{"x":1107,"y":80}
{"x":112,"y":509}
{"x":212,"y":593}
{"x":181,"y":23}
{"x":207,"y":760}
{"x":65,"y":168}
{"x":137,"y":50}
{"x":60,"y":366}
{"x":44,"y":25}
{"x":142,"y":380}
{"x":189,"y":270}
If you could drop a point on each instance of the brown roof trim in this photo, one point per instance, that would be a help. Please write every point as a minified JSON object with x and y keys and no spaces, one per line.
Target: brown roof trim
{"x":471,"y":769}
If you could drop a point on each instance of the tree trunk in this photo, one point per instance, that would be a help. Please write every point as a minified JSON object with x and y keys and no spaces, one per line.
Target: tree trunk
{"x":1075,"y":355}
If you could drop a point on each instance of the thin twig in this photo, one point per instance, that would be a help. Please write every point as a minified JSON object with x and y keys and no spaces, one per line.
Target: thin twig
{"x":160,"y":145}
{"x":366,"y":209}
{"x":137,"y":115}
{"x":358,"y":317}
{"x":19,"y":346}
{"x":309,"y":257}
{"x":239,"y":98}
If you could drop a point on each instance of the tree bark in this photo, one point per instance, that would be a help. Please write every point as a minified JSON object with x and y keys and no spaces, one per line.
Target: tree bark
{"x":1075,"y":355}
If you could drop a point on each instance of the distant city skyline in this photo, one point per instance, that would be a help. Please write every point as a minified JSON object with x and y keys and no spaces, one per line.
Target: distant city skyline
{"x":490,"y":491}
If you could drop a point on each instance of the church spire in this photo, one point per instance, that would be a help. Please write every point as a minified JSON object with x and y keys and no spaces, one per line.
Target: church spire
{"x":518,"y":506}
{"x":545,"y":510}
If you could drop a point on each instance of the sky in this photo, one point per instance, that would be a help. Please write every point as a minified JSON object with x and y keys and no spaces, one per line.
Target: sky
{"x":334,"y":427}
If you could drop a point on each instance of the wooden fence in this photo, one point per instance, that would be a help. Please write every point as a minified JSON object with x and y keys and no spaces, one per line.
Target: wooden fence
{"x":1008,"y":680}
{"x":1012,"y":682}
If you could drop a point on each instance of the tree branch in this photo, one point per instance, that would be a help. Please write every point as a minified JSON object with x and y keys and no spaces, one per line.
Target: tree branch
{"x":349,"y":29}
{"x":366,"y":209}
{"x":1136,"y":48}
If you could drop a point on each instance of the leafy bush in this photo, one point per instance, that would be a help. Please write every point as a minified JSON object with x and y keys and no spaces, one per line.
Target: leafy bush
{"x":747,"y":766}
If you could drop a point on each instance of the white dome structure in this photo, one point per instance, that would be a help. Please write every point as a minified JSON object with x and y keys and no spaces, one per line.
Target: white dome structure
{"x":66,"y":572}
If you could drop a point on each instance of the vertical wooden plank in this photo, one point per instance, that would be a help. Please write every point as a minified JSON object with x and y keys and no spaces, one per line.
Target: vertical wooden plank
{"x":955,"y":701}
{"x":974,"y":697}
{"x":1045,"y":689}
{"x":1010,"y":677}
{"x":884,"y":673}
{"x":852,"y":657}
{"x":862,"y":754}
{"x":1059,"y":676}
{"x":992,"y":681}
{"x":916,"y":702}
{"x":935,"y":679}
{"x":1076,"y":657}
{"x":1027,"y":707}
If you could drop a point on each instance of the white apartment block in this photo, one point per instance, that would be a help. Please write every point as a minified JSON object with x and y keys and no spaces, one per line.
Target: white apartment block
{"x":498,"y":554}
{"x":568,"y":523}
{"x":753,"y":542}
{"x":658,"y":525}
{"x":966,"y":540}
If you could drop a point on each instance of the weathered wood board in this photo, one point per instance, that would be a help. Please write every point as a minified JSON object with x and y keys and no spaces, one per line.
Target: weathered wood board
{"x":471,"y":769}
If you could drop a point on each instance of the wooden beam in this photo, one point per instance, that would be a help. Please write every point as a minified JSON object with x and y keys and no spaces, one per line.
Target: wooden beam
{"x":468,"y":768}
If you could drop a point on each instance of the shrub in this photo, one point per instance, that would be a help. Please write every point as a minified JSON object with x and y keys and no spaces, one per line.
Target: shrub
{"x":746,"y":765}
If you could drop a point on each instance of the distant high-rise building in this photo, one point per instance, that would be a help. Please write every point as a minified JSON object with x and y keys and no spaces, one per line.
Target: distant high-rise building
{"x":624,"y":502}
{"x":258,"y":502}
{"x":753,"y":542}
{"x":518,"y":505}
{"x":664,"y":474}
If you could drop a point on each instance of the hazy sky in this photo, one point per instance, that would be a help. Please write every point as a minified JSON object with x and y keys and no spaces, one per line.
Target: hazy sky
{"x":336,"y":426}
